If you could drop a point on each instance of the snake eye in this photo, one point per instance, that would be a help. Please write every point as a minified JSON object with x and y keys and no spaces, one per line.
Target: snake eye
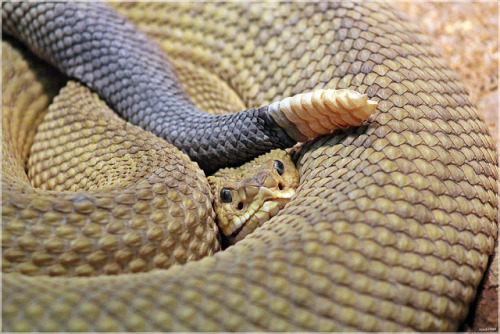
{"x":279,"y":167}
{"x":225,"y":195}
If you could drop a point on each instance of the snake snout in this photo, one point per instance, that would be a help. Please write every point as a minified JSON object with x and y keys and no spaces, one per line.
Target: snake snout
{"x":262,"y":195}
{"x":260,"y":191}
{"x":271,"y":178}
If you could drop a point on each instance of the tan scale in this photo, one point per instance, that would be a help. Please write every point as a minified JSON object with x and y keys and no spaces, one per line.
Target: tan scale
{"x":207,"y":90}
{"x":392,"y":222}
{"x":103,"y":197}
{"x":257,"y":191}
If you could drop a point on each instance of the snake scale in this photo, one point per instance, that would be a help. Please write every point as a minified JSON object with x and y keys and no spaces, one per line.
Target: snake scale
{"x":392,"y":222}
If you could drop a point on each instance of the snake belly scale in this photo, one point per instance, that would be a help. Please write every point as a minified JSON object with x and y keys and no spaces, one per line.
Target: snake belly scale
{"x":392,"y":223}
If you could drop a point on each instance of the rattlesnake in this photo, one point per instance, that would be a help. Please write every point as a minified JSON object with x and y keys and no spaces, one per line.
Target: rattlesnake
{"x":392,"y":223}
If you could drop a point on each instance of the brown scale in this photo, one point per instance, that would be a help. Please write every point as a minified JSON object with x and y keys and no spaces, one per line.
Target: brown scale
{"x":393,"y":222}
{"x":207,"y":90}
{"x":119,"y":206}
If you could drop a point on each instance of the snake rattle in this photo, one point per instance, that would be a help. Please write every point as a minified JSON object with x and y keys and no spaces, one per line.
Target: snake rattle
{"x":392,"y":221}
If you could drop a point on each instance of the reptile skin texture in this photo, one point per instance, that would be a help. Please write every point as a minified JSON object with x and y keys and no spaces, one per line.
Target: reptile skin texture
{"x":392,"y":223}
{"x":86,"y":42}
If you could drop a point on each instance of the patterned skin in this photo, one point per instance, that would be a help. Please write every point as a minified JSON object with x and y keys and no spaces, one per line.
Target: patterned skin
{"x":246,"y":197}
{"x":392,"y":223}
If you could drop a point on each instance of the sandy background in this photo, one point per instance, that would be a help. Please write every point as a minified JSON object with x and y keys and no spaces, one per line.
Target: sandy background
{"x":467,"y":34}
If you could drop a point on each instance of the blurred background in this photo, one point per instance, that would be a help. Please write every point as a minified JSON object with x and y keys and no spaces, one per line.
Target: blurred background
{"x":467,"y":35}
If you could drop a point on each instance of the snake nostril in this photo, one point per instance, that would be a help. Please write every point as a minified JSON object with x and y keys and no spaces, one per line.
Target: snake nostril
{"x":240,"y":205}
{"x":280,"y":186}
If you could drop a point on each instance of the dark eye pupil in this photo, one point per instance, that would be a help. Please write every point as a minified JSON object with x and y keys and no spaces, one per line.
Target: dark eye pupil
{"x":279,"y":167}
{"x":225,"y":195}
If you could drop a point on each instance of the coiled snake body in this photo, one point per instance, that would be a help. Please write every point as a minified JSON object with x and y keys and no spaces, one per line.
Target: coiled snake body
{"x":392,"y":223}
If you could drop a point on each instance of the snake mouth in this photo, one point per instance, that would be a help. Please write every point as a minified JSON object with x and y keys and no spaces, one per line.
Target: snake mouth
{"x":256,"y":217}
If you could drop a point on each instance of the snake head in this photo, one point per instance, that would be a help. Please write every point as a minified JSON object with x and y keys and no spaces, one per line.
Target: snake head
{"x":248,"y":196}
